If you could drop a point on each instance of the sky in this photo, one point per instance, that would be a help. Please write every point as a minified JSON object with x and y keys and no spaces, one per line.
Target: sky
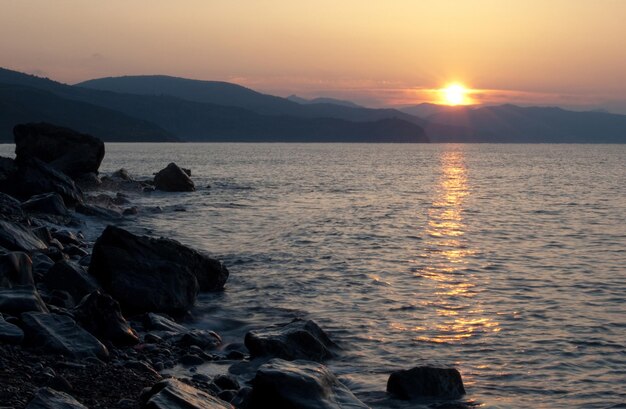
{"x":568,"y":53}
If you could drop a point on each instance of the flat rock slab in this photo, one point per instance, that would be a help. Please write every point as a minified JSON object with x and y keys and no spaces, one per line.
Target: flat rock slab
{"x":426,"y":382}
{"x":60,"y":334}
{"x":300,"y":385}
{"x":47,"y":398}
{"x":21,"y":299}
{"x":298,"y":339}
{"x":16,"y":237}
{"x":9,"y":333}
{"x":174,"y":394}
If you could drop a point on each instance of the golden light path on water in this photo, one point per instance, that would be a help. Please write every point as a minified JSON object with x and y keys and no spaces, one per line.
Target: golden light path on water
{"x":459,"y":316}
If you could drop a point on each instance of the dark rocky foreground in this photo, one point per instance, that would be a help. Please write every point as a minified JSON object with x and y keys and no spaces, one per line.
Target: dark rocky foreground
{"x":87,"y":324}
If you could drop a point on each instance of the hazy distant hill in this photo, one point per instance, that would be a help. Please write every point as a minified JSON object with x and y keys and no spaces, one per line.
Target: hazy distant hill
{"x":20,"y":104}
{"x":193,"y":120}
{"x":511,"y":123}
{"x":323,"y":100}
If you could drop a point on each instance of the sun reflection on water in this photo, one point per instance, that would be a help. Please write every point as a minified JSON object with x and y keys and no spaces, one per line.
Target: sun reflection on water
{"x":447,"y":252}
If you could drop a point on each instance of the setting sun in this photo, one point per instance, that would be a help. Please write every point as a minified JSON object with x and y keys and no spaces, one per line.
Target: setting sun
{"x":454,"y":94}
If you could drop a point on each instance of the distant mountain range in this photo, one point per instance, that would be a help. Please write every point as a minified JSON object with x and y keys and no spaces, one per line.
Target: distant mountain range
{"x":162,"y":108}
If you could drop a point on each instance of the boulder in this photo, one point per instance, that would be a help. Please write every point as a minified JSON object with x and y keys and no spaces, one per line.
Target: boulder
{"x":49,"y":203}
{"x":299,"y":384}
{"x":16,"y":268}
{"x":298,"y":339}
{"x":173,"y":394}
{"x":202,"y":338}
{"x":173,"y":179}
{"x":71,"y":277}
{"x":16,"y":237}
{"x":122,"y":174}
{"x":9,"y":333}
{"x":148,"y":274}
{"x":41,"y":265}
{"x":10,"y":208}
{"x":34,"y":177}
{"x":100,"y":314}
{"x":159,"y":322}
{"x":70,"y":152}
{"x":20,"y":299}
{"x":47,"y":398}
{"x":60,"y":334}
{"x":426,"y":381}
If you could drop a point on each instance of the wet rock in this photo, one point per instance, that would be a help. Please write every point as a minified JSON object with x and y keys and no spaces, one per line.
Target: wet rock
{"x":20,"y":299}
{"x":299,"y":384}
{"x":10,"y":333}
{"x":159,"y":322}
{"x":42,"y":233}
{"x":71,"y":277}
{"x":299,"y":339}
{"x":70,"y":152}
{"x":130,"y":211}
{"x":226,"y":382}
{"x":122,"y":174}
{"x":148,"y":274}
{"x":191,"y":360}
{"x":61,"y":299}
{"x":425,"y":381}
{"x":173,"y":179}
{"x":75,"y":251}
{"x":10,"y":207}
{"x":201,"y":338}
{"x":16,"y":268}
{"x":49,"y":203}
{"x":66,"y":237}
{"x":60,"y":334}
{"x":100,"y":314}
{"x":98,"y":211}
{"x":34,"y":177}
{"x":88,"y":181}
{"x":173,"y":394}
{"x":16,"y":237}
{"x":47,"y":398}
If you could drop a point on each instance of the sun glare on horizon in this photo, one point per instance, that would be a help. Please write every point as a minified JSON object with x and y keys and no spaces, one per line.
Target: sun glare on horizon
{"x":455,"y":94}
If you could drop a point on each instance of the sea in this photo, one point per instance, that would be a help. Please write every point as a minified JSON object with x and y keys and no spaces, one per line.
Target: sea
{"x":507,"y":262}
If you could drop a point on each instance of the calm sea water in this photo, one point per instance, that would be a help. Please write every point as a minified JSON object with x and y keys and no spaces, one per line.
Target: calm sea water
{"x":505,"y":261}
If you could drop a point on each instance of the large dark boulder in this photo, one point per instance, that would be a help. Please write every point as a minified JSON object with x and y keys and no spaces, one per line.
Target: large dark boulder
{"x":426,"y":381}
{"x":70,"y":152}
{"x":71,"y":277}
{"x":60,"y":334}
{"x":47,"y":398}
{"x":16,"y":268}
{"x":298,"y":339}
{"x":100,"y":314}
{"x":301,"y":385}
{"x":173,"y":179}
{"x":148,"y":274}
{"x":16,"y":237}
{"x":173,"y":394}
{"x":31,"y":176}
{"x":49,"y":203}
{"x":21,"y":299}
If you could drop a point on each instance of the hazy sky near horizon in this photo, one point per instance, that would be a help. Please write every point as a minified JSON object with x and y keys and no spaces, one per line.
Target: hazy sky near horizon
{"x":549,"y":52}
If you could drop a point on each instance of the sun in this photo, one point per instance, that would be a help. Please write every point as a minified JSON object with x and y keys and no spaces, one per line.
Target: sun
{"x":454,"y":94}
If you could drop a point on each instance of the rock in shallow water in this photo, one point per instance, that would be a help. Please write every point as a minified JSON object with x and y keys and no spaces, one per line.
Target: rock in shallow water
{"x":425,"y":381}
{"x":174,"y":179}
{"x":148,"y":274}
{"x":299,"y":339}
{"x":301,"y":385}
{"x":61,"y":334}
{"x":48,"y":398}
{"x":173,"y":394}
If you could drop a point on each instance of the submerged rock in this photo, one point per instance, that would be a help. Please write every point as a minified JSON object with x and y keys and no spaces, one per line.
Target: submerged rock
{"x":60,"y":334}
{"x":173,"y":394}
{"x":21,"y":299}
{"x":16,"y":237}
{"x":100,"y":314}
{"x":299,"y":384}
{"x":71,"y":152}
{"x":297,"y":340}
{"x":426,"y":381}
{"x":49,"y":203}
{"x":16,"y":268}
{"x":47,"y":398}
{"x":174,"y":179}
{"x":147,"y":274}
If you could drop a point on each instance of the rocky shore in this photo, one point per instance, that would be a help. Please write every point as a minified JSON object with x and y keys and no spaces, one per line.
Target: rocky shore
{"x":98,"y":324}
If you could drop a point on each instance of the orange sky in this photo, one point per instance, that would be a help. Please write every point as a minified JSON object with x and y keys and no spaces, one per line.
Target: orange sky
{"x":567,"y":52}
